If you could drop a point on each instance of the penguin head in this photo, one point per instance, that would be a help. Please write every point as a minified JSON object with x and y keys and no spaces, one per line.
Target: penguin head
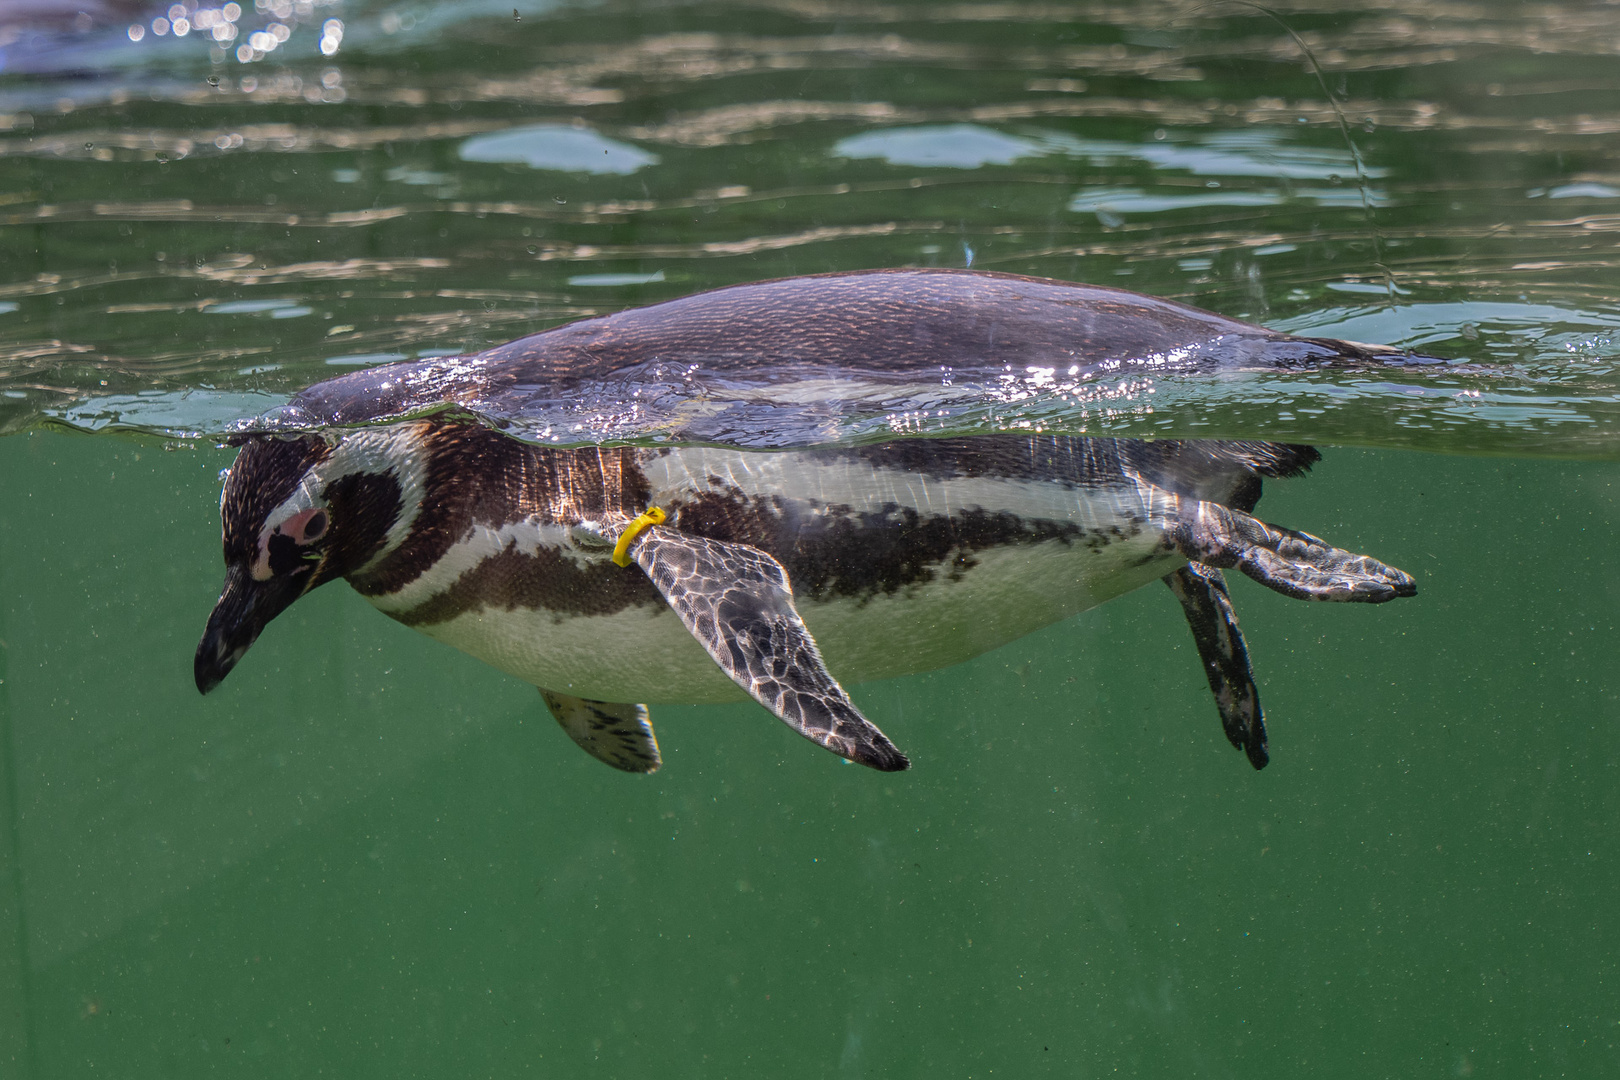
{"x":297,"y":513}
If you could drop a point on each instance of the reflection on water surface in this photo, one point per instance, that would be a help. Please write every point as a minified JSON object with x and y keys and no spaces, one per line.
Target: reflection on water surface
{"x":434,"y":181}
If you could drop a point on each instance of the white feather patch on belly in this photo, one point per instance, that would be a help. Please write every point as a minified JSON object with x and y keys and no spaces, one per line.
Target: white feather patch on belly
{"x":1010,"y":592}
{"x":645,"y":654}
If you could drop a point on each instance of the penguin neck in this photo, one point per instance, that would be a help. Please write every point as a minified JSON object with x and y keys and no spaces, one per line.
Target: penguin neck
{"x":482,"y":481}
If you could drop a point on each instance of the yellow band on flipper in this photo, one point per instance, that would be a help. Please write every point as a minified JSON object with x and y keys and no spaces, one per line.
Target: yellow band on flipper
{"x":621,"y":550}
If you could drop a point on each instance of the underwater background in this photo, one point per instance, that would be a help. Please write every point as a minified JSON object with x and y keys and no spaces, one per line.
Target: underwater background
{"x":367,"y":855}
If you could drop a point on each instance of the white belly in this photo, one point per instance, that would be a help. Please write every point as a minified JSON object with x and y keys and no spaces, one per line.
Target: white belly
{"x":1002,"y":592}
{"x":645,"y":654}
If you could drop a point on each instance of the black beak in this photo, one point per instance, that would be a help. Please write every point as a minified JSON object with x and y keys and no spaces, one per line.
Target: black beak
{"x":244,"y":609}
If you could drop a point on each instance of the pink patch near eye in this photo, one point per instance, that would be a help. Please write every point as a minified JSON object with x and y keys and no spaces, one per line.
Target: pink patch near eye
{"x":306,"y":526}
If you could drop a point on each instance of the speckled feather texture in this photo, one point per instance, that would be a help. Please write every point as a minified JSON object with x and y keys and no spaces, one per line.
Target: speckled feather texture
{"x":737,"y":602}
{"x":618,"y":733}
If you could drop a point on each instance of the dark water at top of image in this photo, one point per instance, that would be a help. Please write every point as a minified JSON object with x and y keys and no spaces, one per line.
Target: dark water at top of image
{"x":196,"y":226}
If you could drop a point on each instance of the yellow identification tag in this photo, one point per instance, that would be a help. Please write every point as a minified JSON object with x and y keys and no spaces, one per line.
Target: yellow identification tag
{"x":621,"y":550}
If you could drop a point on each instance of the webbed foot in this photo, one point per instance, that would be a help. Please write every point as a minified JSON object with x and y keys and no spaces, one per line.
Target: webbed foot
{"x":1293,"y":563}
{"x":617,"y":733}
{"x":1208,"y":607}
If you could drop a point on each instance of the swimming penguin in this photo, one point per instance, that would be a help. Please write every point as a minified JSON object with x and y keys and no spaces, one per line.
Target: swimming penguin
{"x":617,"y":577}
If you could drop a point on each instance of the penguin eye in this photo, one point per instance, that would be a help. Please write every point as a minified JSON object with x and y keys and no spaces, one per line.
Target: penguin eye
{"x":306,"y":526}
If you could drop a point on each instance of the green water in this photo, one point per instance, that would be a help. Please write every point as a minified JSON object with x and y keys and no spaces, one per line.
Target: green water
{"x":367,"y":855}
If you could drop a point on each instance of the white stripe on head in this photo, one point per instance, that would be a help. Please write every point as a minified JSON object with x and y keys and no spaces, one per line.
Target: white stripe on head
{"x":395,"y":451}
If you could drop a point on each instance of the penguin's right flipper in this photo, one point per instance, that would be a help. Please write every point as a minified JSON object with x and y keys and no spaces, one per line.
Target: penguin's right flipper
{"x":737,"y":602}
{"x":1208,"y":607}
{"x":617,"y":733}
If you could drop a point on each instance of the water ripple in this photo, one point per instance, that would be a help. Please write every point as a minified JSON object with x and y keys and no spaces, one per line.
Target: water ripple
{"x":194,"y":233}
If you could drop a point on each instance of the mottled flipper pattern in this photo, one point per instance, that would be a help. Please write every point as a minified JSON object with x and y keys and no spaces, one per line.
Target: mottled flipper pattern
{"x":1208,"y":606}
{"x":616,"y":733}
{"x":1293,"y":563}
{"x":737,"y":602}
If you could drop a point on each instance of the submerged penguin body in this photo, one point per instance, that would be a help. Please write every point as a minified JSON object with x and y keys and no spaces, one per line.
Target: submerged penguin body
{"x":614,"y":577}
{"x":902,"y":558}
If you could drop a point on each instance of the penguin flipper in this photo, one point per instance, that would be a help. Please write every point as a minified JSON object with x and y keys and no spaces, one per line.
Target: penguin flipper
{"x":1208,"y":607}
{"x":616,"y":733}
{"x":737,"y":602}
{"x":1293,"y":563}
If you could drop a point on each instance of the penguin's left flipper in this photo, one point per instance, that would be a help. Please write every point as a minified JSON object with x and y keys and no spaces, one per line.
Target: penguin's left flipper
{"x":1293,"y":563}
{"x":617,"y":733}
{"x":737,"y":602}
{"x":1208,"y":607}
